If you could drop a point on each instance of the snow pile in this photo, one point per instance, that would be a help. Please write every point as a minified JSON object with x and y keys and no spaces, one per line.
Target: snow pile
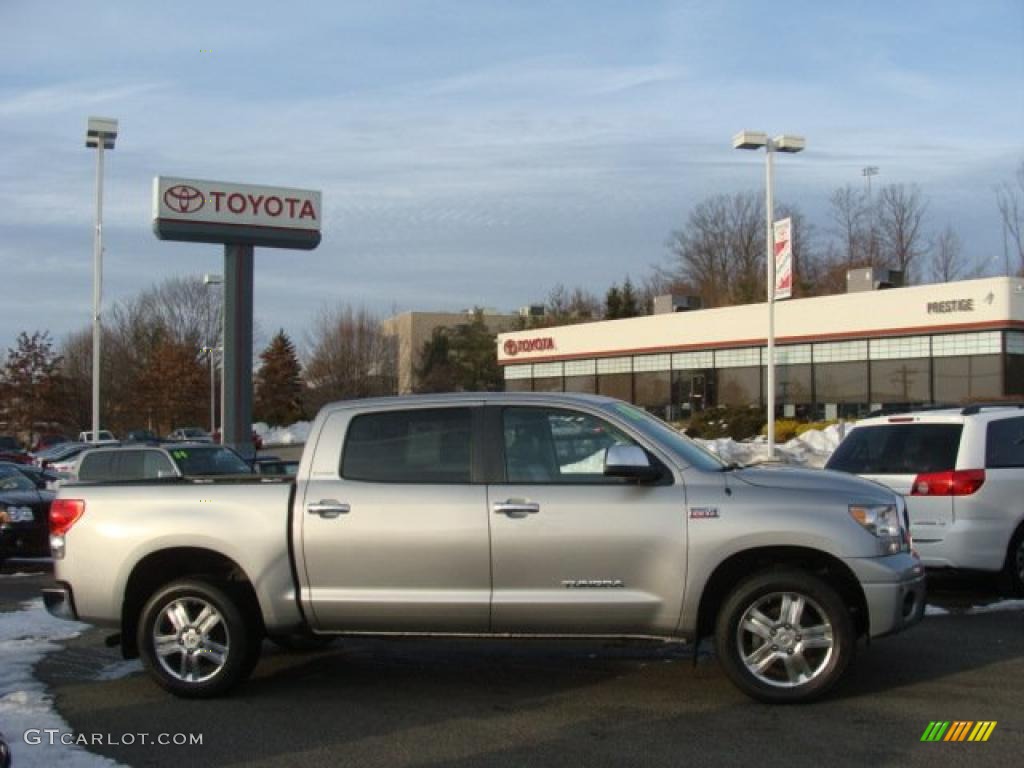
{"x":25,"y":637}
{"x":811,"y":449}
{"x":296,"y":434}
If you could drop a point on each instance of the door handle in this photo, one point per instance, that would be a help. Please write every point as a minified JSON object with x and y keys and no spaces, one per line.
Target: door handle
{"x":516,"y":508}
{"x":328,"y":509}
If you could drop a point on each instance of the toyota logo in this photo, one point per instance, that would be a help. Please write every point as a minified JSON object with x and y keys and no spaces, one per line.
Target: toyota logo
{"x":182,"y":198}
{"x":511,"y":348}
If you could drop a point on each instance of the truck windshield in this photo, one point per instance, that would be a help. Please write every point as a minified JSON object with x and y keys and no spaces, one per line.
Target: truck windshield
{"x":212,"y":460}
{"x":686,"y":449}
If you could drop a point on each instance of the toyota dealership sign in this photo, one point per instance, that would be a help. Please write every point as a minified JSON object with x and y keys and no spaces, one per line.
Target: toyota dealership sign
{"x":220,"y":212}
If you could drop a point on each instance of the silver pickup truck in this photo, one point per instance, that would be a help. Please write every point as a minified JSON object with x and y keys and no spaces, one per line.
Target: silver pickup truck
{"x":492,"y":515}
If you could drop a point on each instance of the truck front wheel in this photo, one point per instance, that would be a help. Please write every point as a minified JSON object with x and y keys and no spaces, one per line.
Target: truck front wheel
{"x":194,"y":639}
{"x":784,"y":636}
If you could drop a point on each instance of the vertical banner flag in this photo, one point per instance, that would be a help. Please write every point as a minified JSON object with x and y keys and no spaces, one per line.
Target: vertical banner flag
{"x":783,"y":258}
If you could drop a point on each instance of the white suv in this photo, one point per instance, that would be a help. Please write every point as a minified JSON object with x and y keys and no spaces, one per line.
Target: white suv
{"x":962,"y":472}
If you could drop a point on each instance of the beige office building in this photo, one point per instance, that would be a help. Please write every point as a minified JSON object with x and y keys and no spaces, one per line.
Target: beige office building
{"x":413,"y":329}
{"x":836,"y":356}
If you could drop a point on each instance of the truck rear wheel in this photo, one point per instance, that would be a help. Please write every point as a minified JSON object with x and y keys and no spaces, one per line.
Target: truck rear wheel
{"x":784,"y":636}
{"x":195,"y":639}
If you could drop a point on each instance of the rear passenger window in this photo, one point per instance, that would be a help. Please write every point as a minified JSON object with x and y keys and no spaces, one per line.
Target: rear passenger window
{"x":97,"y":467}
{"x":130,"y":467}
{"x":417,"y":446}
{"x":898,"y":449}
{"x":1004,"y":444}
{"x":156,"y":465}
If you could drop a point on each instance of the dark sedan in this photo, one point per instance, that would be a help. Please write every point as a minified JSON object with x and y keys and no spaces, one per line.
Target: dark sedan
{"x":24,"y":516}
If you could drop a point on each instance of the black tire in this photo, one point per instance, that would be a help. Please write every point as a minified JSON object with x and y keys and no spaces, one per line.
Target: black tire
{"x":1013,"y":569}
{"x":793,"y":668}
{"x":197,"y":663}
{"x":302,"y":642}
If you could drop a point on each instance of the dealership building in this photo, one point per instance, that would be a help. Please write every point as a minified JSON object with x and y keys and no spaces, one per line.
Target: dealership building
{"x":836,"y":356}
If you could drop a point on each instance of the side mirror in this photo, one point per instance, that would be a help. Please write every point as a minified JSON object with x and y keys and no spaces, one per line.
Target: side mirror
{"x":629,"y":461}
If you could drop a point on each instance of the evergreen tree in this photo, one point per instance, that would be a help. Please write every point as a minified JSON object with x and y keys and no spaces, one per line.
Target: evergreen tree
{"x":473,"y":353}
{"x":613,"y":303}
{"x":436,"y":372}
{"x":629,"y":306}
{"x":30,"y":383}
{"x":278,"y":395}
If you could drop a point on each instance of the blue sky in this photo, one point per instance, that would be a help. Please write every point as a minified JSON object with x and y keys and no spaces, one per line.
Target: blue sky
{"x":477,"y":153}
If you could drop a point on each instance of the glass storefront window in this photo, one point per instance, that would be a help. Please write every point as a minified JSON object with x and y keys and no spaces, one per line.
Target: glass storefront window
{"x":841,"y":389}
{"x":587,"y":384}
{"x":1015,"y":374}
{"x":548,"y":384}
{"x":653,"y":390}
{"x":739,"y":386}
{"x":618,"y":385}
{"x":970,"y":377}
{"x":518,"y":385}
{"x":901,"y":381}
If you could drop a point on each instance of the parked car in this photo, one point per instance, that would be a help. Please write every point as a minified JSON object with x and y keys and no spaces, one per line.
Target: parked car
{"x":105,"y":437}
{"x":141,"y":436}
{"x":57,"y":452}
{"x":154,"y":462}
{"x":275,"y":466}
{"x":17,"y":456}
{"x":24,"y":515}
{"x":43,"y":479}
{"x":257,"y":441}
{"x":48,"y":440}
{"x":191,"y":435}
{"x":962,"y":473}
{"x":9,"y":443}
{"x":457,"y":514}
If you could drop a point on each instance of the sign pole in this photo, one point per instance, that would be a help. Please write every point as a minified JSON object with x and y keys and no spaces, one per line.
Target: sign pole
{"x":769,"y":259}
{"x":236,"y":425}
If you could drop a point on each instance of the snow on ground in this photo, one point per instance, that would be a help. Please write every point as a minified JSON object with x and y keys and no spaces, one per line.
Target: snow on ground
{"x":292,"y":435}
{"x":119,"y":669}
{"x":811,"y":449}
{"x":25,"y":637}
{"x":1002,"y":605}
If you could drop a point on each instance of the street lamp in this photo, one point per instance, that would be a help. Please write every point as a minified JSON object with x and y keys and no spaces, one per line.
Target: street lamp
{"x":210,"y":279}
{"x":792,"y":145}
{"x":99,"y":135}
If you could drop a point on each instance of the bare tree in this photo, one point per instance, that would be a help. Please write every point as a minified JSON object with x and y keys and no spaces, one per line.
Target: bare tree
{"x":350,"y":357}
{"x":720,"y":251}
{"x":849,"y":218}
{"x":1010,"y":199}
{"x":947,"y":257}
{"x":901,"y":213}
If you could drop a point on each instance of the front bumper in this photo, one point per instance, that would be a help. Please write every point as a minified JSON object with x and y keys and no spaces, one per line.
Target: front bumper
{"x":894,"y":589}
{"x":60,"y":602}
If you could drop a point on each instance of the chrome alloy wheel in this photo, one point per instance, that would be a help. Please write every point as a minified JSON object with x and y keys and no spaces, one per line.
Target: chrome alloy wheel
{"x":191,"y":640}
{"x":785,"y":639}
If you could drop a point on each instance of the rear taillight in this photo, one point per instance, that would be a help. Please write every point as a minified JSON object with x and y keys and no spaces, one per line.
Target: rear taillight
{"x":961,"y":482}
{"x":64,"y":513}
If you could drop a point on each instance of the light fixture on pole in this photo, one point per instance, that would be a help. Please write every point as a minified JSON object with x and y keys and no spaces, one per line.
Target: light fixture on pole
{"x":867,"y":172}
{"x":100,"y":135}
{"x":212,"y":350}
{"x":791,"y":145}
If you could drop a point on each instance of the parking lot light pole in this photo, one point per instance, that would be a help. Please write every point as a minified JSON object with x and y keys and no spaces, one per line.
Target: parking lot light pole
{"x":208,"y":280}
{"x":100,"y":134}
{"x":784,"y":143}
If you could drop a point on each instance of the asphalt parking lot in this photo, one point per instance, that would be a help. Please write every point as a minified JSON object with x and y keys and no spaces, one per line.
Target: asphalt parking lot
{"x":469,"y":703}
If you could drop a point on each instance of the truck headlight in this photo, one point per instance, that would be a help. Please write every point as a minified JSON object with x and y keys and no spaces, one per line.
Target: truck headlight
{"x":884,"y":522}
